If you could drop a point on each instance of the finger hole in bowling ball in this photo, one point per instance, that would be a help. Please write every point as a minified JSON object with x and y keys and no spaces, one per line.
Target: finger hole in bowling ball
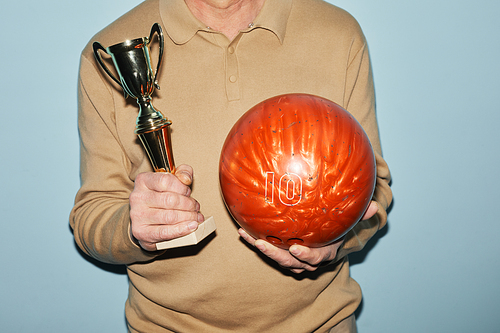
{"x":274,"y":240}
{"x":295,"y":241}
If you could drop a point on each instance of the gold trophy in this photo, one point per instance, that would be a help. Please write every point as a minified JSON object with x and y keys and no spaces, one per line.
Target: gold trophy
{"x":132,"y":62}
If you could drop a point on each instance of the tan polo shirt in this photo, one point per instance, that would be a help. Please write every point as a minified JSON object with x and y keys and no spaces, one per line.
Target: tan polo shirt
{"x":207,"y":82}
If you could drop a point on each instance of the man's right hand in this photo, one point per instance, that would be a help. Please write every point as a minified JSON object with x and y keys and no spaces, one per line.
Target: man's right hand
{"x":161,"y":207}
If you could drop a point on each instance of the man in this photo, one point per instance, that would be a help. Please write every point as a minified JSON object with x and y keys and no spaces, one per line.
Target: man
{"x":221,"y":58}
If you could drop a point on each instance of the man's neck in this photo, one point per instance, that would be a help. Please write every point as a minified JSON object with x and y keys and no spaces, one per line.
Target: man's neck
{"x":226,"y":16}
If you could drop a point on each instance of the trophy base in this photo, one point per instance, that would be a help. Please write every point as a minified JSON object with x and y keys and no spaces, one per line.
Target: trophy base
{"x":204,"y":229}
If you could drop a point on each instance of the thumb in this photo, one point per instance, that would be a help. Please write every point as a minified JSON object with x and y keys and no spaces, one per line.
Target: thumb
{"x":185,"y":174}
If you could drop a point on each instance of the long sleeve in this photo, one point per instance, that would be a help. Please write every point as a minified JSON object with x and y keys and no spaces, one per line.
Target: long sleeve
{"x":100,"y":218}
{"x":360,"y":100}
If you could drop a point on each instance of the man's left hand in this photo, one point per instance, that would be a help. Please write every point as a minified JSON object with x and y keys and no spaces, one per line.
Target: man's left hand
{"x":300,"y":258}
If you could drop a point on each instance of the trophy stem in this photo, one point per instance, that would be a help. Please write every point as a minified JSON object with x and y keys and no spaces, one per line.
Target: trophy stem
{"x":149,"y":119}
{"x":154,"y":132}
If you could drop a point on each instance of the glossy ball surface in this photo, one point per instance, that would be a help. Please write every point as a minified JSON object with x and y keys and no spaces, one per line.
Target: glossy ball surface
{"x":297,"y":169}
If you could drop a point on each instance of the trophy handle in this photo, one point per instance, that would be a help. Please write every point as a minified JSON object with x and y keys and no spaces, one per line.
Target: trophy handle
{"x":157,"y":28}
{"x":97,"y":46}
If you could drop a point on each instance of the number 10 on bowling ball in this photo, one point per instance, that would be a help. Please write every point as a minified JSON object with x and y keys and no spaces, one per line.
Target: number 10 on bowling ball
{"x":297,"y":169}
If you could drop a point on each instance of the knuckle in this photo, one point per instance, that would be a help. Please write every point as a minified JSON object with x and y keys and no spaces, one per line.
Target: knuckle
{"x":170,"y":216}
{"x":316,"y":256}
{"x":136,"y":215}
{"x":166,"y":233}
{"x":170,"y":200}
{"x":288,"y":263}
{"x":172,"y":231}
{"x":143,"y":179}
{"x":139,"y":179}
{"x":173,"y":217}
{"x":159,"y":233}
{"x":315,"y":261}
{"x":165,"y":180}
{"x":135,"y":198}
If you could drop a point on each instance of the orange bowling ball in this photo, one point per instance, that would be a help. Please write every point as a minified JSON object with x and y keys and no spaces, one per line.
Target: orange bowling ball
{"x":297,"y":169}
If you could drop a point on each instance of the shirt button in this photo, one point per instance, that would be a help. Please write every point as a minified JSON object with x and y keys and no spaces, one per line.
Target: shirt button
{"x":232,"y":78}
{"x":230,"y":50}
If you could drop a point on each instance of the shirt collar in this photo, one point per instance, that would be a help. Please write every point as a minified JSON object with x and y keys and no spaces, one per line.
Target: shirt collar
{"x":181,"y":25}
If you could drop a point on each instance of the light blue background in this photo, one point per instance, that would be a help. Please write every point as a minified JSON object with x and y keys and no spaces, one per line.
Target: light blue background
{"x":434,"y":269}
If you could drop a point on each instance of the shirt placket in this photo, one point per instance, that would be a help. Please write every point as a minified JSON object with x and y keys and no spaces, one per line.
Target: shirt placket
{"x":231,"y":75}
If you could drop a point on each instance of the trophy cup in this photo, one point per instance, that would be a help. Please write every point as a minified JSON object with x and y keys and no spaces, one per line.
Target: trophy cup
{"x":132,"y":62}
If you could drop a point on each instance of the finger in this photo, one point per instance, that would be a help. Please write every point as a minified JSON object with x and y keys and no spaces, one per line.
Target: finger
{"x":311,"y":256}
{"x":282,"y":257}
{"x":298,"y":258}
{"x":315,"y":256}
{"x":161,"y":182}
{"x":158,"y":226}
{"x":162,"y":200}
{"x":249,"y":239}
{"x":370,"y":211}
{"x":159,"y":217}
{"x":185,"y":174}
{"x":154,"y":234}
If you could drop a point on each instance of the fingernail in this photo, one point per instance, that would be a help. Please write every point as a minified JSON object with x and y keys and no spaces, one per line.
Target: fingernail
{"x":242,"y":232}
{"x":184,"y":177}
{"x":192,"y":226}
{"x":201,"y":218}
